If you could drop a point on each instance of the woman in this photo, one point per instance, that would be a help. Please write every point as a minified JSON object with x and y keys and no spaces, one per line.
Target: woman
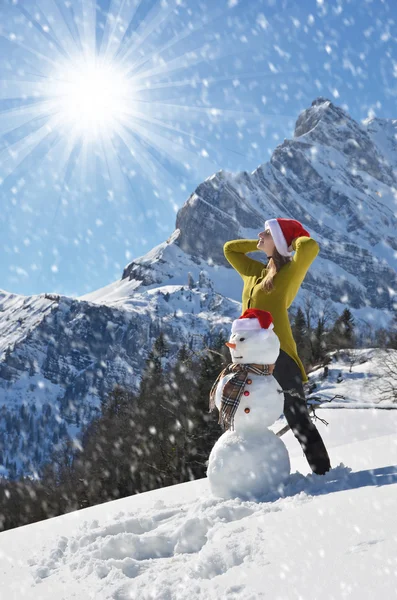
{"x":273,"y":288}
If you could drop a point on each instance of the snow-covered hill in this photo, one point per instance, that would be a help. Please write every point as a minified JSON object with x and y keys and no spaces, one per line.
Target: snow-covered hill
{"x":60,"y":356}
{"x":332,"y":536}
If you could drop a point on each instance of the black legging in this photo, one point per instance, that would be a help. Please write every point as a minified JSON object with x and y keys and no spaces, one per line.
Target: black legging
{"x":288,"y":375}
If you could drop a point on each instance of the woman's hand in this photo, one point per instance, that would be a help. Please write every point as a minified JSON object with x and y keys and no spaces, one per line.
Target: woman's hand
{"x":298,"y":237}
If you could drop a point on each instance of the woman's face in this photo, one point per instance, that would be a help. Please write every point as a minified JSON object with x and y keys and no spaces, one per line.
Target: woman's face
{"x":265,"y":242}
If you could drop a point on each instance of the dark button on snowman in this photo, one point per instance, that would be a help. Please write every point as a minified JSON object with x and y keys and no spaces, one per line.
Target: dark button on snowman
{"x":248,"y":460}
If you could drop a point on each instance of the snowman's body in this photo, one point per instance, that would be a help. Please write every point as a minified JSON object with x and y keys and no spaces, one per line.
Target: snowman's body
{"x":251,"y":461}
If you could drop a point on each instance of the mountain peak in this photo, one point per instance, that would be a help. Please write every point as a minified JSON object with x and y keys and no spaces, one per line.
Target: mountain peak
{"x":320,"y":100}
{"x":322,"y":111}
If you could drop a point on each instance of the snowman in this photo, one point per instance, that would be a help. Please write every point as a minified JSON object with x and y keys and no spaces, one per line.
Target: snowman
{"x":248,"y":460}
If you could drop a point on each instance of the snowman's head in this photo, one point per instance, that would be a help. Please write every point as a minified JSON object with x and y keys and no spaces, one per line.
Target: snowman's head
{"x":252,"y":339}
{"x":254,"y":346}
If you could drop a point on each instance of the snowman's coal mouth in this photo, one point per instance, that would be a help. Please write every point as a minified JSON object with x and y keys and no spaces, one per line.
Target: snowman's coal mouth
{"x":238,"y":357}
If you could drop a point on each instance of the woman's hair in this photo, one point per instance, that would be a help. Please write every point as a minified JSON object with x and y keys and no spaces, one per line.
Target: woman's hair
{"x":275,"y":263}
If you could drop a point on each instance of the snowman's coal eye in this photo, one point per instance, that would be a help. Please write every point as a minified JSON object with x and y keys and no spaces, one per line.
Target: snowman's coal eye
{"x":242,"y":339}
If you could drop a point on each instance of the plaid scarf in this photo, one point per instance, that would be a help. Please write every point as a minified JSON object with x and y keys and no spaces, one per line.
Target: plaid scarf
{"x":233,"y":389}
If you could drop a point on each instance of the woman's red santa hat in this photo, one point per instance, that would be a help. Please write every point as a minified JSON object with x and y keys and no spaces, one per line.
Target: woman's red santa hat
{"x":283,"y":232}
{"x":253,"y":319}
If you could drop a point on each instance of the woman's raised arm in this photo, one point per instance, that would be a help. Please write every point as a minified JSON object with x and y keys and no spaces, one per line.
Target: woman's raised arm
{"x":306,"y":250}
{"x":235,"y":251}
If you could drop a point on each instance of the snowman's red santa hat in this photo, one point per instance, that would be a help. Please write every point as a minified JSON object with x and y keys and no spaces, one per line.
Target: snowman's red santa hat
{"x":283,"y":232}
{"x":253,"y":319}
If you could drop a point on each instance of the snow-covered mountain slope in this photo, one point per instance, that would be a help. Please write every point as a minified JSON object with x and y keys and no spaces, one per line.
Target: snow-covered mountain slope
{"x":332,"y":536}
{"x":19,"y":316}
{"x":61,"y":356}
{"x":53,"y":375}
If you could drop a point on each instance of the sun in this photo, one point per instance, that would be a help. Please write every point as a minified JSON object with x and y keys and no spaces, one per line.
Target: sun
{"x":90,"y":96}
{"x":104,"y":94}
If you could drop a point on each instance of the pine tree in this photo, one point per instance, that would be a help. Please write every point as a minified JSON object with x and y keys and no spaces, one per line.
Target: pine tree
{"x":299,"y":328}
{"x":319,"y":342}
{"x":178,"y":401}
{"x":190,"y":281}
{"x":382,"y":338}
{"x":114,"y":404}
{"x":154,"y":418}
{"x":347,"y":322}
{"x":302,"y":338}
{"x":101,"y":469}
{"x":392,"y":341}
{"x":342,"y":333}
{"x":208,"y":430}
{"x":160,"y":347}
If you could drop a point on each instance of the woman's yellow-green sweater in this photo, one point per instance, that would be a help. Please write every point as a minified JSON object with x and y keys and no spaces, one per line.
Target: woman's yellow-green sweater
{"x":286,"y":285}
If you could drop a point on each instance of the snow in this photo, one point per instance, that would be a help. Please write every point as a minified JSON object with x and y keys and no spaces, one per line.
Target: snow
{"x":383,"y":132}
{"x":363,"y":377}
{"x":332,"y":536}
{"x":19,"y":316}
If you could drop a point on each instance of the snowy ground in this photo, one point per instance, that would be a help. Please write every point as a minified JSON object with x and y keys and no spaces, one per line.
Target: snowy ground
{"x":330,"y":537}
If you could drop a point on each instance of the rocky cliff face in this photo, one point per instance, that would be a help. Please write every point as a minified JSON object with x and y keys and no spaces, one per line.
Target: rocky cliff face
{"x":61,"y":356}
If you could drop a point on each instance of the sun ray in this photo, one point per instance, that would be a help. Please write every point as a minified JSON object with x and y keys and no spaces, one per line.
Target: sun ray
{"x":154,"y":120}
{"x":72,"y":23}
{"x":64,"y":175}
{"x":59,"y":26}
{"x":211,"y":80}
{"x":62,"y":153}
{"x":70,"y":162}
{"x":44,"y":30}
{"x":269,"y":119}
{"x":190,"y":110}
{"x":14,"y":118}
{"x":15,"y":153}
{"x":11,"y":88}
{"x":109,"y":42}
{"x":167,"y":66}
{"x":176,"y":39}
{"x":30,"y":50}
{"x":88,"y":27}
{"x":148,"y":25}
{"x":18,"y":151}
{"x":169,"y":148}
{"x":116,"y":182}
{"x":183,"y":61}
{"x":144,"y":160}
{"x":148,"y":163}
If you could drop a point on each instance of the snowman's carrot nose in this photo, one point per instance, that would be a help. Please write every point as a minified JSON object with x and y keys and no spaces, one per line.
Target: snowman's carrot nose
{"x":230,"y":345}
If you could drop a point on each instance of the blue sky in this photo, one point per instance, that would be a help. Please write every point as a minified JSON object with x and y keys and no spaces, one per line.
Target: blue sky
{"x":94,"y":167}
